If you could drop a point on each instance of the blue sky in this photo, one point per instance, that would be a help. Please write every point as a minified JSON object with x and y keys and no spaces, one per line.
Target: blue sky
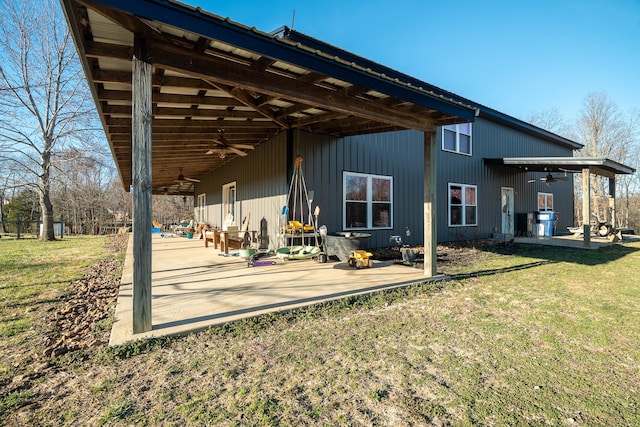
{"x":513,"y":56}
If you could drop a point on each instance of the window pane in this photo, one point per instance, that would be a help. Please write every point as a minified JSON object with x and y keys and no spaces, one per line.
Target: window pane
{"x":465,"y":144}
{"x":470,"y":212}
{"x":449,"y":140}
{"x":456,"y":215}
{"x":381,"y":191}
{"x":470,"y":196}
{"x":465,"y":128}
{"x":550,"y":202}
{"x":356,"y":215}
{"x":541,"y":202}
{"x":381,"y":214}
{"x":356,"y":187}
{"x":455,"y":194}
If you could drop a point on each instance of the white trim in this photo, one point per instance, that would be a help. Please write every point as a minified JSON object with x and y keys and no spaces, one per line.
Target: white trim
{"x":463,"y":204}
{"x":202,"y":208}
{"x":546,"y":199}
{"x":228,"y":206}
{"x":458,"y":132}
{"x":369,"y":202}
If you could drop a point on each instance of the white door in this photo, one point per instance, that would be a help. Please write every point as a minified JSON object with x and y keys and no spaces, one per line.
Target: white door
{"x":507,"y":211}
{"x":229,"y":207}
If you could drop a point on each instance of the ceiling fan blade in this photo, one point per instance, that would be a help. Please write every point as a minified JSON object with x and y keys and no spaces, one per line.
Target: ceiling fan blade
{"x":562,"y":178}
{"x":238,"y":152}
{"x":243,"y":146}
{"x":184,"y":180}
{"x":211,"y":151}
{"x":531,"y":181}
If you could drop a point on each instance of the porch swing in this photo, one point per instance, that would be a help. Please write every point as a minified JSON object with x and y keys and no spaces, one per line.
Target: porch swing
{"x":298,"y":203}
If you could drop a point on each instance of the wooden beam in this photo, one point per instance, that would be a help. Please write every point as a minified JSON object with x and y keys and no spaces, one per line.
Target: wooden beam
{"x":218,"y":101}
{"x":248,"y":100}
{"x":220,"y":71}
{"x":141,"y":182}
{"x":186,"y":112}
{"x":430,"y":223}
{"x":204,"y":123}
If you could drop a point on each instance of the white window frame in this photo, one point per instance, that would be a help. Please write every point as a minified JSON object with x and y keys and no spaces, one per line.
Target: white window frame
{"x":458,"y":131}
{"x":229,"y":191}
{"x":463,"y":204}
{"x":369,"y":202}
{"x":546,"y":196}
{"x":202,"y":208}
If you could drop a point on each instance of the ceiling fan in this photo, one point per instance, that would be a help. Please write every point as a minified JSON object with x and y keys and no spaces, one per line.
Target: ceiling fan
{"x":183,"y":180}
{"x":226,"y":148}
{"x":550,"y":178}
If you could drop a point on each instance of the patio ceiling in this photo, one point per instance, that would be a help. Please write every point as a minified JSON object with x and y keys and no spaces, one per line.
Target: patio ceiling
{"x":213,"y":77}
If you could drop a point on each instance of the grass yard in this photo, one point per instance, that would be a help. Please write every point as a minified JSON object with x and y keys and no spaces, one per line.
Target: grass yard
{"x":521,"y":335}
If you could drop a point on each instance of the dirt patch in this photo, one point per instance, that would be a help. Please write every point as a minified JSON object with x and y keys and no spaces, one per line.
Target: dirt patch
{"x":458,"y":254}
{"x":84,"y":319}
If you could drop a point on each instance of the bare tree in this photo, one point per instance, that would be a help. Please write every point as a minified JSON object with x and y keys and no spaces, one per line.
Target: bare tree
{"x":606,"y":132}
{"x":553,"y":121}
{"x":44,"y":101}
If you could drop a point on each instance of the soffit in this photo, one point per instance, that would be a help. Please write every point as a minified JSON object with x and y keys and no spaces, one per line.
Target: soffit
{"x":204,"y":87}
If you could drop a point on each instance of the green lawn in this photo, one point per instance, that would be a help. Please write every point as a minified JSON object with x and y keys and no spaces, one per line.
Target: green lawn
{"x":522,"y":335}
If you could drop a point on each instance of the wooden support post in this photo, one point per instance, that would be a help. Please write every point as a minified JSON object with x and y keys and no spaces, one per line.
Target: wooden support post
{"x":586,"y":206}
{"x":141,"y":161}
{"x":612,"y":201}
{"x":430,"y":225}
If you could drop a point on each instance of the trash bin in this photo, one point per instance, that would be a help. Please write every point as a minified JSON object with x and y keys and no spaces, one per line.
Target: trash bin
{"x":546,"y":219}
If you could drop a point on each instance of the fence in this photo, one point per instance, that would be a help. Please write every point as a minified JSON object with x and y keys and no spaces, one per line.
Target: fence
{"x":20,"y":228}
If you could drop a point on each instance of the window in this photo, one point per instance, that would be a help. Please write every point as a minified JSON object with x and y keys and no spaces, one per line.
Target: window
{"x":202,"y":208}
{"x":368,"y":201}
{"x":545,"y":202}
{"x":463,"y":207}
{"x":457,"y":138}
{"x":229,"y":204}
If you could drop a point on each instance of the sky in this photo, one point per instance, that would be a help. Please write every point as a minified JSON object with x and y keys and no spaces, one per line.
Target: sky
{"x":518,"y":57}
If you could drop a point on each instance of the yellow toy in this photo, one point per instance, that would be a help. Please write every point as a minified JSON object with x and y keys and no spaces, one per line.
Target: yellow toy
{"x":297,"y":227}
{"x":360,"y":259}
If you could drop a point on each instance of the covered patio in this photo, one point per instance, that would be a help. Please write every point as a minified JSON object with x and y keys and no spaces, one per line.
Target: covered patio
{"x":182,"y":92}
{"x":195,"y":287}
{"x":586,"y":166}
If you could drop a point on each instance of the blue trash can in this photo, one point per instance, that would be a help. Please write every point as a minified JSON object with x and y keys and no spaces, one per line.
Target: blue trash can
{"x":546,"y":219}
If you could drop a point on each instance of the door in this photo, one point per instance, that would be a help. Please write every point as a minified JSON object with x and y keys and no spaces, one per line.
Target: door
{"x":508,"y":219}
{"x":229,"y":208}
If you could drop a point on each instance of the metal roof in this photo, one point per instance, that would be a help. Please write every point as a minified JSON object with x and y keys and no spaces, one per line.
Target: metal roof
{"x":597,"y":165}
{"x":483,"y":111}
{"x":223,"y":88}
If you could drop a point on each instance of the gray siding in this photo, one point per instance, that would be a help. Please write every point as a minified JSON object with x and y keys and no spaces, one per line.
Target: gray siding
{"x":493,"y":140}
{"x":393,"y":154}
{"x":262,"y":185}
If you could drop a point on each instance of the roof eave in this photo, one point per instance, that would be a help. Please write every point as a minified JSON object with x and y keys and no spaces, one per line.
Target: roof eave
{"x":186,"y":17}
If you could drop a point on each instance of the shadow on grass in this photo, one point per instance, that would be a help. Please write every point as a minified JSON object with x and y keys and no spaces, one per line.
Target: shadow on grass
{"x":600,"y":256}
{"x":545,"y":255}
{"x":490,"y":272}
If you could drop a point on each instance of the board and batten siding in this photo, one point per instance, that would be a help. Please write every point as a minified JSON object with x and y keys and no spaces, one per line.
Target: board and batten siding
{"x":492,"y":140}
{"x":261,"y":187}
{"x":394,"y":154}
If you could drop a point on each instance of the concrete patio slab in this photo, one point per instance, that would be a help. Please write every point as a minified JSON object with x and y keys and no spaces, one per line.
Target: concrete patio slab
{"x":570,"y":241}
{"x":194,"y":287}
